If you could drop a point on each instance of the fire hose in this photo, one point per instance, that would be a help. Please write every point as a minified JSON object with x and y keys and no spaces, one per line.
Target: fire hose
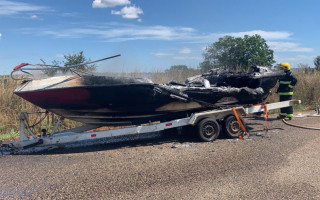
{"x":299,"y":126}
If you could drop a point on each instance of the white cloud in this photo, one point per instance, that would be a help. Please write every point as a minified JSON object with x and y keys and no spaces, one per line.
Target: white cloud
{"x":0,"y":36}
{"x":59,"y":55}
{"x":12,"y":8}
{"x":288,"y":47}
{"x":34,"y":17}
{"x":296,"y":59}
{"x":177,"y":57}
{"x":70,"y":14}
{"x":118,"y":32}
{"x":290,"y":58}
{"x":128,"y":12}
{"x":185,"y":51}
{"x":188,"y":58}
{"x":109,"y":3}
{"x":115,"y":32}
{"x":124,"y":32}
{"x":160,"y":54}
{"x":267,"y":35}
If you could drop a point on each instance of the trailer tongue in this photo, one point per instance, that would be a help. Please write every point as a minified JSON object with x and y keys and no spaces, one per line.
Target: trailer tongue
{"x":207,"y":124}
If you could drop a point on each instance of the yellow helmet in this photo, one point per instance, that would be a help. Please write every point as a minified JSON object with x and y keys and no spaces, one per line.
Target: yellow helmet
{"x":285,"y":66}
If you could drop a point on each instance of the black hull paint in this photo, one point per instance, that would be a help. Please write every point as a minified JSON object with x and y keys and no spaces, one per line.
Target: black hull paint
{"x":129,"y":101}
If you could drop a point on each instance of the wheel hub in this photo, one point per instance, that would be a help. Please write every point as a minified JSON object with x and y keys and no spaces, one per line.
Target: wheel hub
{"x":235,"y":126}
{"x":209,"y":130}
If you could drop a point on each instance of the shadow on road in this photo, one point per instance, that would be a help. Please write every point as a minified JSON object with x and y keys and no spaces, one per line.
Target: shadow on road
{"x":148,"y":139}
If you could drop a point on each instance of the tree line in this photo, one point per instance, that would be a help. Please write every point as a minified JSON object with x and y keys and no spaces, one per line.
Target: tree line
{"x":237,"y":53}
{"x":233,"y":53}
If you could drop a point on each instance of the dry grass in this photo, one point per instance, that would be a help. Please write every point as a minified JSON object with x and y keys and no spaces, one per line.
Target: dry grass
{"x":180,"y":76}
{"x":11,"y":105}
{"x":307,"y":88}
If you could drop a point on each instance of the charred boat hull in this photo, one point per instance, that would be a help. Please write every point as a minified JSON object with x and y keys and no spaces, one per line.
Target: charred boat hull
{"x":108,"y":101}
{"x":103,"y":100}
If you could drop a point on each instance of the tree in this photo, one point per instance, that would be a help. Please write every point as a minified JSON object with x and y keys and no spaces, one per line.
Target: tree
{"x":179,"y":72}
{"x":52,"y":71}
{"x":70,"y":59}
{"x":316,"y":62}
{"x":177,"y":68}
{"x":75,"y":59}
{"x":237,"y":53}
{"x":305,"y":68}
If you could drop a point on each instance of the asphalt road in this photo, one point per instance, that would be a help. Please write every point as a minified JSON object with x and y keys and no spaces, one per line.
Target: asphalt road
{"x":281,"y":164}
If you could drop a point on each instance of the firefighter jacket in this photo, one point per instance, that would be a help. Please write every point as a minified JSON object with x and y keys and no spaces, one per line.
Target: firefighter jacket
{"x":286,"y":84}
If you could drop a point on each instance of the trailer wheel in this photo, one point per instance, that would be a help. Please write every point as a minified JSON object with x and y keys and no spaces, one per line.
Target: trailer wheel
{"x":209,"y":129}
{"x":231,"y":126}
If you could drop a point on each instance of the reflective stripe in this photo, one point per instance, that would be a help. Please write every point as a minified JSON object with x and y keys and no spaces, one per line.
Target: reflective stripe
{"x":285,"y":82}
{"x":290,"y":86}
{"x":286,"y":115}
{"x":285,"y":93}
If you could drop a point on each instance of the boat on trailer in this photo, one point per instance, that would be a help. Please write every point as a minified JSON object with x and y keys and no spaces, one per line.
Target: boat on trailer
{"x":206,"y":124}
{"x":108,"y":100}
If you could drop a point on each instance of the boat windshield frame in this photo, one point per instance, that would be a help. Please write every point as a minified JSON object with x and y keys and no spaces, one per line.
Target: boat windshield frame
{"x":41,"y":67}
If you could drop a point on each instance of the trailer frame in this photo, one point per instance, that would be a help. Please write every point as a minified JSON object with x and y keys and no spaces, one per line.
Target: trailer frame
{"x":80,"y":133}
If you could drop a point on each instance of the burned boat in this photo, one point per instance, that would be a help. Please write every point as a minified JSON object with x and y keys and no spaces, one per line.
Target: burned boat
{"x":105,"y":100}
{"x":245,"y":88}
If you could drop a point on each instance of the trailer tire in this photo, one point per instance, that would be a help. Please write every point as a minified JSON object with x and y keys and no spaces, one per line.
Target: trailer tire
{"x":208,"y":129}
{"x":231,"y":126}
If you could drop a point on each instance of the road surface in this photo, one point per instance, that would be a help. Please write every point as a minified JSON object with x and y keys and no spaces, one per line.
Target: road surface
{"x":281,"y":164}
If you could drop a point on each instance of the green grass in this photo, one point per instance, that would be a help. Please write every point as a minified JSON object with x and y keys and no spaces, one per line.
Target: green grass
{"x":13,"y":134}
{"x":301,"y":107}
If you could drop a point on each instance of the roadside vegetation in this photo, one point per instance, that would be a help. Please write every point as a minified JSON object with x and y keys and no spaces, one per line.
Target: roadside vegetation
{"x":11,"y":107}
{"x":236,"y":54}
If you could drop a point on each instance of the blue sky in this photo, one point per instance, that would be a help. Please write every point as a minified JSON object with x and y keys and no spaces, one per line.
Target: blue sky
{"x":152,"y":34}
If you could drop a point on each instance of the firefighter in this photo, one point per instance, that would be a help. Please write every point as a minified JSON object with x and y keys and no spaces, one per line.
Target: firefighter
{"x":285,"y":91}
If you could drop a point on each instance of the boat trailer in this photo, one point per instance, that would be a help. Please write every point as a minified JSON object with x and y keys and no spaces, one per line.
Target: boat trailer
{"x":207,"y":124}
